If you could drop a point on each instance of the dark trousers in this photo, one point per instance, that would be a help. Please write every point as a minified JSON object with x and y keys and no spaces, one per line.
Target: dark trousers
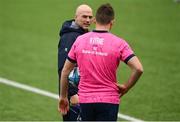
{"x":99,"y":111}
{"x":73,"y":114}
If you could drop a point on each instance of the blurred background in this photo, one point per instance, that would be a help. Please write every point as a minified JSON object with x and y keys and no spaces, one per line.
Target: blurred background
{"x":29,"y":36}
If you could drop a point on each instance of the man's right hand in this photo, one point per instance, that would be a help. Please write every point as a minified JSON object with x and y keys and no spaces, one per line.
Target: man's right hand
{"x":63,"y":106}
{"x":122,"y":89}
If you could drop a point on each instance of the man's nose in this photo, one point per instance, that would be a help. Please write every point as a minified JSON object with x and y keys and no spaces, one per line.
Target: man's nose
{"x":88,"y":19}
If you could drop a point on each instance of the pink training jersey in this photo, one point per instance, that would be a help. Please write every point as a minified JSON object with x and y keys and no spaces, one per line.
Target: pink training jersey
{"x":98,"y":55}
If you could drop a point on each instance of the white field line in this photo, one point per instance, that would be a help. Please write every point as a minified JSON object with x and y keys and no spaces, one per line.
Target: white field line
{"x":52,"y":95}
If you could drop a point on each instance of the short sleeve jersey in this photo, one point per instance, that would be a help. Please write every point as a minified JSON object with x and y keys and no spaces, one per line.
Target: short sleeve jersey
{"x":98,"y":54}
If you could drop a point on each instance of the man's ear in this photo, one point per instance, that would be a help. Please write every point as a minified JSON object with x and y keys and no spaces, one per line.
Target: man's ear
{"x":112,"y":22}
{"x":75,"y":17}
{"x":93,"y":20}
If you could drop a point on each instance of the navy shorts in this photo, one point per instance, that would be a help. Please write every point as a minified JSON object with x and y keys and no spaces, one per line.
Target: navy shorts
{"x":99,"y":111}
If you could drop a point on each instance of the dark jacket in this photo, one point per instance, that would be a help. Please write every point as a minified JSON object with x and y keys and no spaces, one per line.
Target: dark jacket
{"x":68,"y":34}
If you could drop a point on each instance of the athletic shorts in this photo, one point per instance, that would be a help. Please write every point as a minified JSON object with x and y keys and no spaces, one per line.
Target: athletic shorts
{"x":99,"y":111}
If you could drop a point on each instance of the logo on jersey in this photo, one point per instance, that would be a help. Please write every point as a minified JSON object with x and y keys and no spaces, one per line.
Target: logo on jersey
{"x":96,"y":41}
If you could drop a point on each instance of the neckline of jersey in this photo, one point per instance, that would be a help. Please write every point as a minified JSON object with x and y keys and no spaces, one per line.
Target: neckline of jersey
{"x":100,"y":31}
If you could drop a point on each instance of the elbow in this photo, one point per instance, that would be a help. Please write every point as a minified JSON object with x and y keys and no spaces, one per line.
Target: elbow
{"x":140,"y":70}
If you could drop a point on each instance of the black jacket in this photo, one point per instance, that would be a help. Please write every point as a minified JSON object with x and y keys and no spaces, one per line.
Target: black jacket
{"x":68,"y":34}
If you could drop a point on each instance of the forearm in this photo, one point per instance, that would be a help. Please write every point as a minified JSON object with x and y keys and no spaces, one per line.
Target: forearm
{"x":136,"y":72}
{"x":64,"y":84}
{"x":134,"y":76}
{"x":68,"y":66}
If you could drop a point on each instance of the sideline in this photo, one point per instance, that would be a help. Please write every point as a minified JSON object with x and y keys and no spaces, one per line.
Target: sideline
{"x":52,"y":95}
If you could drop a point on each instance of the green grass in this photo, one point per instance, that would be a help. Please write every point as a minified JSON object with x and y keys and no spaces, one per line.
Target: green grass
{"x":17,"y":104}
{"x":28,"y":54}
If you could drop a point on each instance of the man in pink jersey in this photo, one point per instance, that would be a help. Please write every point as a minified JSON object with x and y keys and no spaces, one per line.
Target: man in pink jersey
{"x":98,"y":54}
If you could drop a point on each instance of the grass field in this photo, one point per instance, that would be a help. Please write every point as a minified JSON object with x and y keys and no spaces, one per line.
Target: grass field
{"x":28,"y":54}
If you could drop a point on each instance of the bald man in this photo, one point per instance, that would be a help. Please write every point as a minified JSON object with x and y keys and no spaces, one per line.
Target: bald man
{"x":70,"y":30}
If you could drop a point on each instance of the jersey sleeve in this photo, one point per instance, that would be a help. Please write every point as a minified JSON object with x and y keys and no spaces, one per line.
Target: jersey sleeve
{"x":126,"y":52}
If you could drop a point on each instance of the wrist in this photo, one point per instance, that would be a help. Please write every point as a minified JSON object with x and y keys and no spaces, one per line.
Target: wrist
{"x":127,"y":87}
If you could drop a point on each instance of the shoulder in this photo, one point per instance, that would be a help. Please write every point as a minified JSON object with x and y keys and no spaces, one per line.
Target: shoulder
{"x":69,"y":27}
{"x":67,"y":22}
{"x":81,"y":39}
{"x":116,"y":38}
